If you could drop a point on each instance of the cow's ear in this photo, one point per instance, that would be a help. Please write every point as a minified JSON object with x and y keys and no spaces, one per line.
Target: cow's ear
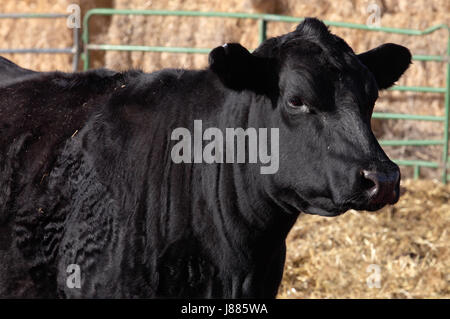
{"x":238,"y":69}
{"x":387,"y":63}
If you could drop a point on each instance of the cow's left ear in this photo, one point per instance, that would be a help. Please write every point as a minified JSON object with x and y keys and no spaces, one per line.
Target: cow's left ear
{"x":238,"y":69}
{"x":387,"y":63}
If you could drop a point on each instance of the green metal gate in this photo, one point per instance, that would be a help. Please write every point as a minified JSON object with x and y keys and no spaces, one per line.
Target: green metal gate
{"x":263,"y":19}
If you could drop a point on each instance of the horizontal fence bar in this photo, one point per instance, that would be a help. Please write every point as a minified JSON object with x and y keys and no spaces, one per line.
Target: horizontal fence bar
{"x":385,"y":29}
{"x":417,"y":163}
{"x":266,"y":17}
{"x":46,"y":50}
{"x":429,"y":89}
{"x":119,"y":47}
{"x":399,"y":116}
{"x":33,"y":15}
{"x":145,"y":48}
{"x":411,"y":142}
{"x":437,"y":58}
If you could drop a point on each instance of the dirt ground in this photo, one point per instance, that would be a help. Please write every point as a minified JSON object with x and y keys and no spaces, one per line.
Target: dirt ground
{"x":409,"y":244}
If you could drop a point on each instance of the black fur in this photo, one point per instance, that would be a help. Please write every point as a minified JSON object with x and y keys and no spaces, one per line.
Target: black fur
{"x":10,"y":72}
{"x":86,"y":175}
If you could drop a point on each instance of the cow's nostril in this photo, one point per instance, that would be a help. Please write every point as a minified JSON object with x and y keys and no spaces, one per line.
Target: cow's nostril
{"x":371,"y":183}
{"x":381,"y":188}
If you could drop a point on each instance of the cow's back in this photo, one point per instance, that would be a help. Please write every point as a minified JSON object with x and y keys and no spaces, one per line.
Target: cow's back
{"x":10,"y":72}
{"x":39,"y":115}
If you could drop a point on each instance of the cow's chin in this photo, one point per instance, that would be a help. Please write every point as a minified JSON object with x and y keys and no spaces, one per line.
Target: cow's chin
{"x":326,"y":207}
{"x":314,"y":210}
{"x":331,"y":212}
{"x":318,"y":206}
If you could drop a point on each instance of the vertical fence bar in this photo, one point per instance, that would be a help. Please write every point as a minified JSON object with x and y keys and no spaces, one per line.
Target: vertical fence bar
{"x":447,"y":112}
{"x":416,"y":172}
{"x":85,"y":39}
{"x":76,"y":49}
{"x":262,"y":29}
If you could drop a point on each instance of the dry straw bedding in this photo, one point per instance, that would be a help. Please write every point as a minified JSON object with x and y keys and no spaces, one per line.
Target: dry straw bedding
{"x":329,"y":257}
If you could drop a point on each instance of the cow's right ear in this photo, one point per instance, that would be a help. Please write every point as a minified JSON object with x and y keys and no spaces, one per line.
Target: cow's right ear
{"x":238,"y":69}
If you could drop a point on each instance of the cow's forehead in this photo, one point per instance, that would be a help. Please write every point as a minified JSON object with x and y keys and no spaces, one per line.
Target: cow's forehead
{"x":326,"y":65}
{"x":329,"y":53}
{"x":329,"y":49}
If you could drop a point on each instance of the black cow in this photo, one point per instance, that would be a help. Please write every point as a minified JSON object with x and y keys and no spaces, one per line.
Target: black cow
{"x":87,"y":177}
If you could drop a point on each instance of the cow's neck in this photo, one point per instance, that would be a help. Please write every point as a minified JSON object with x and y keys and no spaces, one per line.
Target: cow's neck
{"x":241,"y":204}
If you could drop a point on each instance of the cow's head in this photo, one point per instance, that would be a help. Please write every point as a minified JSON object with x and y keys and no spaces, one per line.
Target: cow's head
{"x":323,"y":95}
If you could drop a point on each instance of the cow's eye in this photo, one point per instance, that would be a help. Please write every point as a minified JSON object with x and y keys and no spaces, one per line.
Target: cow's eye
{"x":297,"y":105}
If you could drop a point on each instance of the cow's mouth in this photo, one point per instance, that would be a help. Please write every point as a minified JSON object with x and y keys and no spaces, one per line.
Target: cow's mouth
{"x":325,"y":206}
